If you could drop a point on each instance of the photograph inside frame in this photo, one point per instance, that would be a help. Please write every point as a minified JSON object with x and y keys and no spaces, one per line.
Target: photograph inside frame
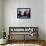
{"x":23,"y":13}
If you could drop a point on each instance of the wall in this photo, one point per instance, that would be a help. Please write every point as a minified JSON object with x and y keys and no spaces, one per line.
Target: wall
{"x":37,"y":15}
{"x":0,"y":18}
{"x":45,"y":19}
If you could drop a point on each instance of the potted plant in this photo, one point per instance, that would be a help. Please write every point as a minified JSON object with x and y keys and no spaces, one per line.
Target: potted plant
{"x":3,"y":37}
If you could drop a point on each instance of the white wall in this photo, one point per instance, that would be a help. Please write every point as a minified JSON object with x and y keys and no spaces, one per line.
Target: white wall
{"x":45,"y":19}
{"x":37,"y":15}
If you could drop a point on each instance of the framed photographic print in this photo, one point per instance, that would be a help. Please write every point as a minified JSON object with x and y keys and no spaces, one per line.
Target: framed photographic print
{"x":23,"y":13}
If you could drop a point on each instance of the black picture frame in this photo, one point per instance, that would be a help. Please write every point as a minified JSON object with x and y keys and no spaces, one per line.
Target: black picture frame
{"x":24,"y":13}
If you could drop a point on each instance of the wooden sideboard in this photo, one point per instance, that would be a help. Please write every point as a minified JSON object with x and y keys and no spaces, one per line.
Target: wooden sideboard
{"x":23,"y":33}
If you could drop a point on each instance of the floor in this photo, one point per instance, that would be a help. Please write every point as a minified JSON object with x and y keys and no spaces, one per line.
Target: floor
{"x":25,"y":43}
{"x":21,"y":45}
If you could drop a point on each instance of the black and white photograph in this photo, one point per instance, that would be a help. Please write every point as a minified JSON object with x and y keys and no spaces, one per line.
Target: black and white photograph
{"x":23,"y":13}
